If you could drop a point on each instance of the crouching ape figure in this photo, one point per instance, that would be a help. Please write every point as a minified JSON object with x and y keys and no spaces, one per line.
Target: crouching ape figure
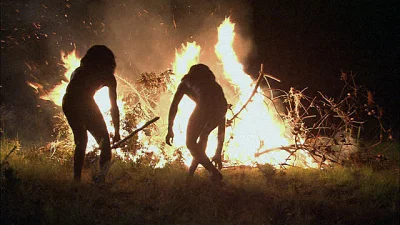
{"x":96,"y":70}
{"x":211,"y":106}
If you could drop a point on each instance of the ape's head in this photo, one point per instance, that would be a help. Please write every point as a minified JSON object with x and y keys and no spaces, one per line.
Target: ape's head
{"x":99,"y":56}
{"x":201,"y":72}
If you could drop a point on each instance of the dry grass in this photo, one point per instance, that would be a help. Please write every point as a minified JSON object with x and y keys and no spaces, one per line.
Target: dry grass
{"x":38,"y":190}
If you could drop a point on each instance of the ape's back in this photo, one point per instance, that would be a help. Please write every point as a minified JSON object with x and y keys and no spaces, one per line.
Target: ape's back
{"x":205,"y":92}
{"x":86,"y":81}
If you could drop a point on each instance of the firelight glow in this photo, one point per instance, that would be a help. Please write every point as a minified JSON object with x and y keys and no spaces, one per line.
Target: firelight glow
{"x":258,"y":127}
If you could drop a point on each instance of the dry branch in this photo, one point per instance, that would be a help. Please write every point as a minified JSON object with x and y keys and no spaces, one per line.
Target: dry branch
{"x":8,"y":155}
{"x":334,"y":135}
{"x":230,"y":121}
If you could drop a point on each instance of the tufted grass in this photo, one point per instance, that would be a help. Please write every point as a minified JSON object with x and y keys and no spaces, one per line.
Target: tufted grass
{"x":36,"y":189}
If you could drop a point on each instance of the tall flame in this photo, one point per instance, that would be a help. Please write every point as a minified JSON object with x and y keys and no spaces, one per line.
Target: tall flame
{"x":256,"y":129}
{"x":70,"y":63}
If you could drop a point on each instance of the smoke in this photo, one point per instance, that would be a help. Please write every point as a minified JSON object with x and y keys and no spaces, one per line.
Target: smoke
{"x":143,"y":35}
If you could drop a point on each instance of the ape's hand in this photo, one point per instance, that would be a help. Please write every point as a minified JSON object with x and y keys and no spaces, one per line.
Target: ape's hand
{"x":216,"y":159}
{"x":169,"y":138}
{"x":116,"y":138}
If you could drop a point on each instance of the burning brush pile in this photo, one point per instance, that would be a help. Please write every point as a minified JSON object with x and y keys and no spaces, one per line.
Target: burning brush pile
{"x":315,"y":132}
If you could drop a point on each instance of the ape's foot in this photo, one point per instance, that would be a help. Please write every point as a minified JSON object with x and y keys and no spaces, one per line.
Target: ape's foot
{"x":216,"y":177}
{"x":189,"y":177}
{"x":76,"y":184}
{"x":99,"y":180}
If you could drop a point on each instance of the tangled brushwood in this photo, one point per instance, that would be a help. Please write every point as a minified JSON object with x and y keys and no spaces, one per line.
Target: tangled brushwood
{"x":331,"y":130}
{"x":140,"y":100}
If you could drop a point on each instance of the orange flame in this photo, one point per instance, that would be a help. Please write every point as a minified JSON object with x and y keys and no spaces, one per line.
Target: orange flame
{"x":257,"y":128}
{"x":70,"y":63}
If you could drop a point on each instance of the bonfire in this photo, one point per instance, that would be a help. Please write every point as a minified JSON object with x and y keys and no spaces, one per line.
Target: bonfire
{"x":257,"y":132}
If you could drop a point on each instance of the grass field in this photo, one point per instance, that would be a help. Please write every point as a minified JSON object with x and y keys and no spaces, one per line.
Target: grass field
{"x":39,"y":190}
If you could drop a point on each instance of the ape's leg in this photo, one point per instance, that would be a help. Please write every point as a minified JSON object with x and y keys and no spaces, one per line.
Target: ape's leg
{"x":74,"y":118}
{"x":205,"y":161}
{"x":203,"y":140}
{"x":193,"y":166}
{"x":217,"y":158}
{"x":80,"y":138}
{"x":97,"y":127}
{"x":197,"y":128}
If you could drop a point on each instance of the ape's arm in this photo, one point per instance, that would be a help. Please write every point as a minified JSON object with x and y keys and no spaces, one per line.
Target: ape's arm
{"x":217,"y":158}
{"x":172,"y":112}
{"x":112,"y":88}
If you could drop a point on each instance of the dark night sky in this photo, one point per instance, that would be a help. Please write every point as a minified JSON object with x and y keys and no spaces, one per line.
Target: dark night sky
{"x":308,"y":44}
{"x":304,"y":43}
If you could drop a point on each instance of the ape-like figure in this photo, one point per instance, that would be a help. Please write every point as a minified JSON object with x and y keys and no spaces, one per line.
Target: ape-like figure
{"x":211,"y":106}
{"x":96,"y":70}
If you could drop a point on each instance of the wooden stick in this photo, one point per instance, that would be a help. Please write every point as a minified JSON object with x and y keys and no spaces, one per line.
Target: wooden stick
{"x":8,"y":155}
{"x":270,"y":76}
{"x":285,"y":148}
{"x":116,"y":145}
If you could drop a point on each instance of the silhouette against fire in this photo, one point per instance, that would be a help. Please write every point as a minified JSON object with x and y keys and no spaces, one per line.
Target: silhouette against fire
{"x":96,"y":70}
{"x":211,"y":106}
